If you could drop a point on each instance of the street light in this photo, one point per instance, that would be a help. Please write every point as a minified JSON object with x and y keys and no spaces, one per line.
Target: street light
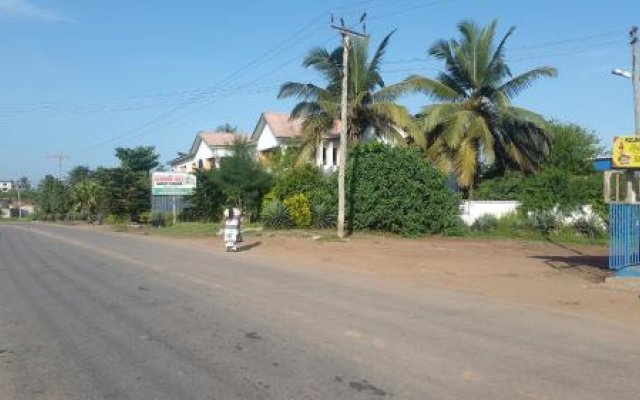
{"x":621,"y":72}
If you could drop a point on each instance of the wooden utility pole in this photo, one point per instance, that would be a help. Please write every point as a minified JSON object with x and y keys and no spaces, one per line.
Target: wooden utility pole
{"x":60,"y":157}
{"x":346,"y":34}
{"x":635,"y":76}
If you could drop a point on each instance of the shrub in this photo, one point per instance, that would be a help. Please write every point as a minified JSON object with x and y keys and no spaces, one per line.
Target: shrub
{"x":546,"y":222}
{"x":304,"y":179}
{"x":395,"y":190}
{"x":145,"y":217}
{"x":299,"y":210}
{"x":324,"y":216}
{"x":72,"y":216}
{"x":485,"y":223}
{"x":113,"y":219}
{"x":268,"y":198}
{"x":589,"y":227}
{"x":276,"y":216}
{"x":157,"y":219}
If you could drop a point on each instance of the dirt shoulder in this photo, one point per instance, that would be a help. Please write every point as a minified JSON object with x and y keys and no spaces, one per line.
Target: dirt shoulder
{"x":566,"y":278}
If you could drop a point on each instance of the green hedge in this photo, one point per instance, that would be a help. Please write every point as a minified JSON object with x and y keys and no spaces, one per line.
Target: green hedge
{"x":394,"y":189}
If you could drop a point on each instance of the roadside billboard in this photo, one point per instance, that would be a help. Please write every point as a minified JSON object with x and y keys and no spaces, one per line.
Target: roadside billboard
{"x":626,"y":152}
{"x":172,"y":184}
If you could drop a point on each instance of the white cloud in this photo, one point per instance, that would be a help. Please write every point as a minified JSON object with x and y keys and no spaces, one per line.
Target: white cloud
{"x":26,"y":9}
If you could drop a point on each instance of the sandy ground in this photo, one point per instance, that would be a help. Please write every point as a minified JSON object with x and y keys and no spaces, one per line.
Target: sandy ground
{"x":566,"y":278}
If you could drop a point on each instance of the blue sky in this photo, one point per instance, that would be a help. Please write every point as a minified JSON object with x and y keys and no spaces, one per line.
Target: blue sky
{"x":83,"y":77}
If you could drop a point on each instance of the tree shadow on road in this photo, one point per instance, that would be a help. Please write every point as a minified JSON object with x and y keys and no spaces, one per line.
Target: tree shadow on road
{"x":594,"y":268}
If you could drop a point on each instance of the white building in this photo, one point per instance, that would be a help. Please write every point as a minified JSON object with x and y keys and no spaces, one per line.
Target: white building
{"x":207,"y":150}
{"x":5,"y":186}
{"x":276,"y":131}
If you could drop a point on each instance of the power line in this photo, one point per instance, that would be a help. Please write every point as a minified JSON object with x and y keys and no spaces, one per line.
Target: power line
{"x":60,"y":157}
{"x":189,"y":102}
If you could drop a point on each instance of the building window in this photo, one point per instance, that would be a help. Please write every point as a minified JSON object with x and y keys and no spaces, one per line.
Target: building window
{"x":335,"y":156}
{"x":200,"y":164}
{"x":324,"y":155}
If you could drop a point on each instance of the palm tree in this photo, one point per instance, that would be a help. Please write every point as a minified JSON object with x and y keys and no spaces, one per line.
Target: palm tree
{"x":369,"y":105}
{"x":227,"y":127}
{"x":472,"y":121}
{"x":86,"y":196}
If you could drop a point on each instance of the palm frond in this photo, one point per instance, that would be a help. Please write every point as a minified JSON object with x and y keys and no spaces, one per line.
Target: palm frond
{"x":305,"y":109}
{"x":302,"y":91}
{"x":521,"y":82}
{"x":437,"y":114}
{"x":380,"y":52}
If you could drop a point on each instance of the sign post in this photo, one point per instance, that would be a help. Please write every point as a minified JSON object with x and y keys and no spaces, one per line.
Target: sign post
{"x":173,"y":209}
{"x":172,"y":184}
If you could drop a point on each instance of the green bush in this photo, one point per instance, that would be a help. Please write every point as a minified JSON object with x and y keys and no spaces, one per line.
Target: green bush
{"x":113,"y":219}
{"x":299,"y":210}
{"x":589,"y":227}
{"x":145,"y":217}
{"x":394,"y":189}
{"x":546,"y":222}
{"x":304,"y":179}
{"x":268,"y":198}
{"x":157,"y":219}
{"x":485,"y":223}
{"x":324,"y":215}
{"x":276,"y":216}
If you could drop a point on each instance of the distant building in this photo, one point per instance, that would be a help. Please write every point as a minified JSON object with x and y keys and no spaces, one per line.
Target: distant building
{"x":275,"y":131}
{"x":207,"y":150}
{"x":5,"y":186}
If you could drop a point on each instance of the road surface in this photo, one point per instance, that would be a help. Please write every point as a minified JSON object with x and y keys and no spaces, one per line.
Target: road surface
{"x":87,"y":314}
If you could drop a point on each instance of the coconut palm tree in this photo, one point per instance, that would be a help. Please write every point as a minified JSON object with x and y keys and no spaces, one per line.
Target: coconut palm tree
{"x":369,"y":105}
{"x":472,"y":121}
{"x":227,"y":127}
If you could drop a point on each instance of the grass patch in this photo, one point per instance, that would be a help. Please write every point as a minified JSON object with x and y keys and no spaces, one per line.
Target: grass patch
{"x":514,"y":226}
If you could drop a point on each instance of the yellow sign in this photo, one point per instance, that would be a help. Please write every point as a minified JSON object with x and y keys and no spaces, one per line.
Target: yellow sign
{"x":626,"y":152}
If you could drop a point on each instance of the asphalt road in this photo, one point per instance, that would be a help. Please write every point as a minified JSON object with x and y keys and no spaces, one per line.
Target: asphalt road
{"x":94,"y":315}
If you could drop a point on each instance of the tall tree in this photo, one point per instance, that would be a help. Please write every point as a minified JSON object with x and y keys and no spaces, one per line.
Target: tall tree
{"x":87,"y":196}
{"x":53,"y":195}
{"x":78,"y":174}
{"x":241,"y":179}
{"x":127,"y":192}
{"x":369,"y":104}
{"x":472,"y":120}
{"x":138,"y":159}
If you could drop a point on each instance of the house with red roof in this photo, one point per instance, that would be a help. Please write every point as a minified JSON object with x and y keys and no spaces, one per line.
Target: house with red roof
{"x":208,"y":148}
{"x":275,"y":131}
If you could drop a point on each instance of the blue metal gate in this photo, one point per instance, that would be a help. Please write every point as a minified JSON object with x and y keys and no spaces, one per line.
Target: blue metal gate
{"x":624,"y":235}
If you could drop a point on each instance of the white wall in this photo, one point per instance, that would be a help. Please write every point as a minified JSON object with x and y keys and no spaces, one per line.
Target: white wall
{"x":184,"y":166}
{"x":5,"y":186}
{"x":266,"y":139}
{"x":203,"y":153}
{"x":472,"y":210}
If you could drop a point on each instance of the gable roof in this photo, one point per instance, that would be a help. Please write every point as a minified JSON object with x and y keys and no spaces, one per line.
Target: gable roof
{"x":214,"y":139}
{"x":211,"y":139}
{"x":282,"y":126}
